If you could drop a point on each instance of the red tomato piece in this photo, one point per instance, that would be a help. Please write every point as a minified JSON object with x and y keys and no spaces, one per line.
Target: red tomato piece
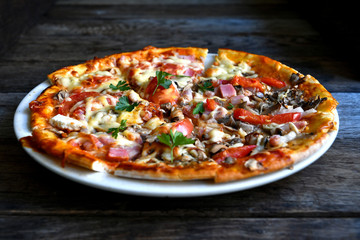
{"x":286,"y":117}
{"x":184,"y":126}
{"x":247,"y":83}
{"x":273,"y":82}
{"x":210,"y":104}
{"x":235,"y":152}
{"x":162,"y":95}
{"x":247,"y":116}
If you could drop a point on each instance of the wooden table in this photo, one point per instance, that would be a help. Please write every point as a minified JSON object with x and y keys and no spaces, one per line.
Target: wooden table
{"x":322,"y":201}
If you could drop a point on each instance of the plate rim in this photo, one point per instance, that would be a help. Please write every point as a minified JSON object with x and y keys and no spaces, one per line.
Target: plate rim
{"x":151,"y":188}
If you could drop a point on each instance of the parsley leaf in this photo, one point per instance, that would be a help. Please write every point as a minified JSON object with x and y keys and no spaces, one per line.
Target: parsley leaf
{"x":115,"y":131}
{"x":206,"y":86}
{"x":199,"y":108}
{"x":230,"y":106}
{"x":174,"y":139}
{"x":162,"y":81}
{"x":123,"y":104}
{"x":121,"y":85}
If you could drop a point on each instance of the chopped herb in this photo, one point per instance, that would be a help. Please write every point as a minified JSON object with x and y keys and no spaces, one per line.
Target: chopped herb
{"x":115,"y":131}
{"x":121,"y":85}
{"x":230,"y":106}
{"x":206,"y":86}
{"x":174,"y":139}
{"x":162,"y":81}
{"x":123,"y":104}
{"x":199,"y":108}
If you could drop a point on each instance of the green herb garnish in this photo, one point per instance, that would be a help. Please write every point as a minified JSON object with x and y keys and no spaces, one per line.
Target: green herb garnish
{"x":199,"y":108}
{"x":162,"y":81}
{"x":206,"y":86}
{"x":174,"y":139}
{"x":121,"y":85}
{"x":124,"y":104}
{"x":115,"y":131}
{"x":230,"y":106}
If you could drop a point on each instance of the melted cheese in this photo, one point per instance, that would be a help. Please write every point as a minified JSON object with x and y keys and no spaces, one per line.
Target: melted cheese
{"x":227,"y":69}
{"x":153,"y":123}
{"x":132,"y":117}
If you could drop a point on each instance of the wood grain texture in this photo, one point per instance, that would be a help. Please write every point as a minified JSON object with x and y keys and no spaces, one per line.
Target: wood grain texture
{"x":322,"y":201}
{"x":53,"y":227}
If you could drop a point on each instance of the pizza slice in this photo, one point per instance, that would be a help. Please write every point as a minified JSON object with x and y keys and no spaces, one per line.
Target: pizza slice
{"x":283,"y":115}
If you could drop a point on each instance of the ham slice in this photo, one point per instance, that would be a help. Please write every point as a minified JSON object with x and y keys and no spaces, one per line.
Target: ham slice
{"x":117,"y":154}
{"x":227,"y":90}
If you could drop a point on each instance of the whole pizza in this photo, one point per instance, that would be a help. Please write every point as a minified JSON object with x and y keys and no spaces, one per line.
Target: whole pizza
{"x":157,"y":113}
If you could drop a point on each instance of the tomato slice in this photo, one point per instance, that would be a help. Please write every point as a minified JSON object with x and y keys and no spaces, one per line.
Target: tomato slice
{"x":184,"y":126}
{"x":247,"y":116}
{"x":247,"y":83}
{"x":273,"y":82}
{"x":286,"y":117}
{"x":210,"y":104}
{"x":67,"y":105}
{"x":162,"y":95}
{"x":235,"y":152}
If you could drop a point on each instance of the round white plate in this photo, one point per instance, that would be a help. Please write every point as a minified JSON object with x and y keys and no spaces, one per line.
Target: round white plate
{"x":147,"y":187}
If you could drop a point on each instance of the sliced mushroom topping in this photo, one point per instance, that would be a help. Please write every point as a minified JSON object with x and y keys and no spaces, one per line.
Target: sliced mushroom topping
{"x":295,"y":79}
{"x":252,"y":138}
{"x":229,"y":160}
{"x":313,"y":103}
{"x":248,"y":128}
{"x":176,"y":114}
{"x":253,"y":165}
{"x":246,"y":107}
{"x":61,"y":95}
{"x":217,"y":148}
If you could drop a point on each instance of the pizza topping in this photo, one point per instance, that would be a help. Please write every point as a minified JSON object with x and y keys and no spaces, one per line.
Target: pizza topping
{"x":227,"y":90}
{"x":236,"y":152}
{"x":117,"y":154}
{"x":124,"y":105}
{"x":66,"y":123}
{"x":184,"y":126}
{"x":280,"y":141}
{"x":174,"y":139}
{"x":253,"y":165}
{"x":121,"y":85}
{"x":249,"y":117}
{"x":161,"y":94}
{"x":206,"y":86}
{"x":295,"y":79}
{"x":246,"y":82}
{"x":199,"y":108}
{"x":115,"y":131}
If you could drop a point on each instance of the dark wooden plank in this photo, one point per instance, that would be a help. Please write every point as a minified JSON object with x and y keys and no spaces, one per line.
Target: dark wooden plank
{"x":246,"y":10}
{"x":65,"y":227}
{"x":16,"y":16}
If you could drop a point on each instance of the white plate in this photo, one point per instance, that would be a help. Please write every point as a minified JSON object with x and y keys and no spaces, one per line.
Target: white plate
{"x":147,"y":187}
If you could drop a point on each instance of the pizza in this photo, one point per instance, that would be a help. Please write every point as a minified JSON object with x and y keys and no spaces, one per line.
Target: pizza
{"x":158,"y":114}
